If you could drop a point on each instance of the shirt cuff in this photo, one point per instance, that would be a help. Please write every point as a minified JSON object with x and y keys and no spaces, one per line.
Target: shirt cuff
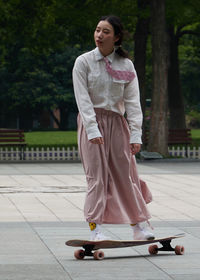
{"x":93,"y":132}
{"x":135,"y":138}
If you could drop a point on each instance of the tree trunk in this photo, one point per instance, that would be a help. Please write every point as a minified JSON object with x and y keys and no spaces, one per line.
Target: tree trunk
{"x":176,"y":102}
{"x":140,"y":39}
{"x":54,"y":118}
{"x":158,"y":138}
{"x":64,"y":115}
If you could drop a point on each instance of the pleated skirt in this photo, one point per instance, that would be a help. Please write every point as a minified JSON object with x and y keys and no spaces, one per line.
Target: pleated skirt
{"x":115,"y":193}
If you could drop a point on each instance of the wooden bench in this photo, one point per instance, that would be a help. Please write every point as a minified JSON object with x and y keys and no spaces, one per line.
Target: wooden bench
{"x":175,"y":137}
{"x":13,"y":138}
{"x":180,"y":136}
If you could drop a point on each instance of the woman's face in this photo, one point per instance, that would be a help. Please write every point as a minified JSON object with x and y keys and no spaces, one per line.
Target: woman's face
{"x":104,"y":37}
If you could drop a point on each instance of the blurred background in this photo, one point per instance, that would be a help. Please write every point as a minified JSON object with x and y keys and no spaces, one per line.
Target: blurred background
{"x":40,"y":40}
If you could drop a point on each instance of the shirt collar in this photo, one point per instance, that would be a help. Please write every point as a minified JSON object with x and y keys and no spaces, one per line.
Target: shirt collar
{"x":99,"y":56}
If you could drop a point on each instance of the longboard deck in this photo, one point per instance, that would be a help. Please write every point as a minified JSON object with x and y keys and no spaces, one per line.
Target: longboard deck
{"x":110,"y":244}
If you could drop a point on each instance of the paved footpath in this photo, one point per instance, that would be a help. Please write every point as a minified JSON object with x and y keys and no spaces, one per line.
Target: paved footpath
{"x":41,"y":206}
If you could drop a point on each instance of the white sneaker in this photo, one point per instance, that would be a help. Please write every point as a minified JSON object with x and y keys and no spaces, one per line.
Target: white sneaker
{"x":140,"y":233}
{"x":98,"y":236}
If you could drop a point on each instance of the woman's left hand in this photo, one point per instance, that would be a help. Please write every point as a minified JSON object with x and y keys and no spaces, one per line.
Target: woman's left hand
{"x":135,"y":148}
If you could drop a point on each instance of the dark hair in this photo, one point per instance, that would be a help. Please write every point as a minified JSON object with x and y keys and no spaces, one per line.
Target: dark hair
{"x":119,"y":31}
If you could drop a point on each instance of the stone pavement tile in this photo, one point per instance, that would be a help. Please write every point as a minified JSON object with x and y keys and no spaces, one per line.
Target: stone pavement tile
{"x":40,"y":168}
{"x":188,"y":179}
{"x":178,"y":265}
{"x":24,"y":180}
{"x":65,"y":168}
{"x":33,"y":272}
{"x":26,"y":259}
{"x":169,"y":181}
{"x":194,"y":231}
{"x":126,"y":267}
{"x":175,"y":208}
{"x":8,"y":169}
{"x":7,"y":181}
{"x":62,"y":208}
{"x":174,"y":187}
{"x":24,"y":256}
{"x":20,"y":240}
{"x":8,"y":211}
{"x":193,"y":178}
{"x":77,"y":199}
{"x":195,"y":275}
{"x":173,"y":200}
{"x":48,"y":180}
{"x":42,"y":183}
{"x":23,"y":168}
{"x":71,"y":180}
{"x":30,"y":208}
{"x":171,"y":167}
{"x":28,"y":168}
{"x":41,"y":207}
{"x":80,"y":177}
{"x":145,"y":167}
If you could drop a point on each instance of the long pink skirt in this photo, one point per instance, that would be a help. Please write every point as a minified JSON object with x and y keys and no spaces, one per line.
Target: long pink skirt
{"x":115,"y":193}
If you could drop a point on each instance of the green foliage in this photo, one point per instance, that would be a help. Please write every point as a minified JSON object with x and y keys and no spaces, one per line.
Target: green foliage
{"x":39,"y":82}
{"x":39,"y":43}
{"x":184,"y":16}
{"x":42,"y":25}
{"x":30,"y":24}
{"x":193,"y":119}
{"x":182,"y":13}
{"x":40,"y":40}
{"x":190,"y":70}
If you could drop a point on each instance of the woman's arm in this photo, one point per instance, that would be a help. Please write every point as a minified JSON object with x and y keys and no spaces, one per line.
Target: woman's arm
{"x":83,"y":100}
{"x":133,"y":109}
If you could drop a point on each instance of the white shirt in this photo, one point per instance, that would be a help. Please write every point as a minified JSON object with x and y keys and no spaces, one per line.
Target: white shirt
{"x":94,"y":87}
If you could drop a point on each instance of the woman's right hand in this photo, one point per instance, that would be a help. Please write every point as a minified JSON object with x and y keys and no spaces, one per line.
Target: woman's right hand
{"x":98,"y":140}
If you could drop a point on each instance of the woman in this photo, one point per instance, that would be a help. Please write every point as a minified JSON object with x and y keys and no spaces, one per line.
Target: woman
{"x":106,"y":86}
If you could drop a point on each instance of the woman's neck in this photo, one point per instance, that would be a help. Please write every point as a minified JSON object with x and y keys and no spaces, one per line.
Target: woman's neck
{"x":106,"y":52}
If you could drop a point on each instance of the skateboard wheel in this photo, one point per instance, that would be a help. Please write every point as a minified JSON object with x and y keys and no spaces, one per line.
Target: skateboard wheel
{"x":179,"y":250}
{"x":79,"y":254}
{"x":153,"y":249}
{"x":98,"y":255}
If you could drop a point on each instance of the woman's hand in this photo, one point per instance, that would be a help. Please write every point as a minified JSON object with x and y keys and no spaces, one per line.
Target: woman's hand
{"x":135,"y":148}
{"x":98,"y":140}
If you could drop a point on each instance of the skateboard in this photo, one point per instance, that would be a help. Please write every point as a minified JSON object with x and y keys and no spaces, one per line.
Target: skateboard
{"x":91,"y":248}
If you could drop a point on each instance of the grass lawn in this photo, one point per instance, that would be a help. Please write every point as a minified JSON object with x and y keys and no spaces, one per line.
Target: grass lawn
{"x":69,"y":138}
{"x":51,"y":139}
{"x":195,"y":133}
{"x":195,"y":137}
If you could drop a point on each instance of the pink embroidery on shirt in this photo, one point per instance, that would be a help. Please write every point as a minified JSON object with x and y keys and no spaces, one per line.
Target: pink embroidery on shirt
{"x":117,"y":74}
